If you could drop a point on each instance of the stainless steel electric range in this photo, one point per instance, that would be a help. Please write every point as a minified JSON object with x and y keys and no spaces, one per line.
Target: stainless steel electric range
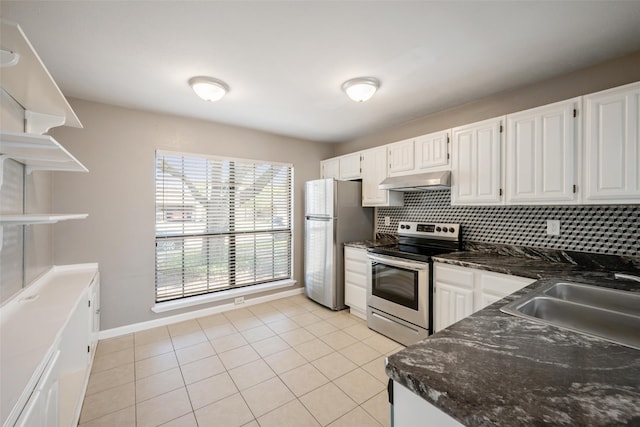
{"x":399,"y":300}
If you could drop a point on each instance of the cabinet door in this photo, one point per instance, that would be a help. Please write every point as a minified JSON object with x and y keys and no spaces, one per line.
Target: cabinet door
{"x":453,"y":303}
{"x":410,"y":410}
{"x":350,"y":166}
{"x":454,"y":290}
{"x":612,"y":146}
{"x":432,"y":151}
{"x":374,"y":171}
{"x":495,"y":286}
{"x":42,"y":409}
{"x":401,"y":157}
{"x":541,"y":154}
{"x":475,"y":164}
{"x":330,"y":168}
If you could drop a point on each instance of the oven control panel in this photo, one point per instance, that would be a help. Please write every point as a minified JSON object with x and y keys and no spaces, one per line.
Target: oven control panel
{"x":433,"y":230}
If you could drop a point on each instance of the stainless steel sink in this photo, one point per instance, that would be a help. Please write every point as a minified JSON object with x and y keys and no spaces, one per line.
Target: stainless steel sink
{"x":595,"y":296}
{"x":611,"y":314}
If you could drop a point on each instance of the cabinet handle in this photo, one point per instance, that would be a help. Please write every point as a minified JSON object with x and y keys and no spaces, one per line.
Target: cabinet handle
{"x":575,"y":188}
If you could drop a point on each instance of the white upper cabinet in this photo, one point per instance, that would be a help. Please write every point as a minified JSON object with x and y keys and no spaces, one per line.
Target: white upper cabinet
{"x":350,"y":166}
{"x":432,"y":151}
{"x":612,"y":146}
{"x":401,"y":157}
{"x":476,"y":163}
{"x":344,"y":168}
{"x":330,"y":168}
{"x":374,"y":171}
{"x":542,"y":154}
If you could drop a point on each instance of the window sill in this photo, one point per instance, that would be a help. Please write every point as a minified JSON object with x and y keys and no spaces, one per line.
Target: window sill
{"x":163,"y":307}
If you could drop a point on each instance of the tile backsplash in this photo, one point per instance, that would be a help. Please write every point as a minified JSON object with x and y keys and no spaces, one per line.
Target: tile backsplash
{"x":604,"y":229}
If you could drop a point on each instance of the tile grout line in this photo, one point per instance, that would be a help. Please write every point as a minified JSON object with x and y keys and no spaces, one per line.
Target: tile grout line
{"x":340,"y":326}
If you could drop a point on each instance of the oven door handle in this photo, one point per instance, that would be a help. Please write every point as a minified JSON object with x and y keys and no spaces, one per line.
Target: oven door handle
{"x":396,"y":262}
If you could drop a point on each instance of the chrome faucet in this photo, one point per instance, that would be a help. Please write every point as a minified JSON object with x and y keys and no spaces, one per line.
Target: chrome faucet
{"x":626,"y":276}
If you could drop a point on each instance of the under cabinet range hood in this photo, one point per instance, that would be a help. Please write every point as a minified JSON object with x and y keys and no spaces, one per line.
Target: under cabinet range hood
{"x":419,"y":182}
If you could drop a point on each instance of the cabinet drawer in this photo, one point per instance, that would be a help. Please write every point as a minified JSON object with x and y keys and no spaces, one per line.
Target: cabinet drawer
{"x":458,"y":276}
{"x":355,"y":254}
{"x":356,"y":279}
{"x":355,"y":297}
{"x":358,"y":266}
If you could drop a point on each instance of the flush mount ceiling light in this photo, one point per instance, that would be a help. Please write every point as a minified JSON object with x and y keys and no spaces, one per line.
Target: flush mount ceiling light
{"x":361,"y":88}
{"x":208,"y":88}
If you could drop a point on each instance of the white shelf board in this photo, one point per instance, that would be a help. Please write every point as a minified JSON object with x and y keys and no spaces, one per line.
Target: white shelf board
{"x":38,"y":152}
{"x":29,"y":81}
{"x":26,"y":219}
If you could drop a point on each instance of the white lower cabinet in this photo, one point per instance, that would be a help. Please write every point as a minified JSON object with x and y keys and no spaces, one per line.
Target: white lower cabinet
{"x":453,"y":295}
{"x":49,"y":336}
{"x":356,"y":266}
{"x":461,"y":291}
{"x":410,"y":410}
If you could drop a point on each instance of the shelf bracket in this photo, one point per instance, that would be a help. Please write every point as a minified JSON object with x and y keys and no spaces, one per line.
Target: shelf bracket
{"x":40,"y":123}
{"x":3,"y":157}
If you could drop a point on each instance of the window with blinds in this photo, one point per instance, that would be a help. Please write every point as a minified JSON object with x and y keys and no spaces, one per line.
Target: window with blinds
{"x":220,"y":224}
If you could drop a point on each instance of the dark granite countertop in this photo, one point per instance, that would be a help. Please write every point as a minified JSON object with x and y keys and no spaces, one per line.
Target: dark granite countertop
{"x":380,"y":240}
{"x":494,"y":369}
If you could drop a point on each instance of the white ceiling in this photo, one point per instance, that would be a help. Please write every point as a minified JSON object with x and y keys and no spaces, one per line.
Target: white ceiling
{"x":285,"y":61}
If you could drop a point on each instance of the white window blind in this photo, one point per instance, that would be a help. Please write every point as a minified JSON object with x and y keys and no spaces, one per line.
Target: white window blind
{"x":220,"y":224}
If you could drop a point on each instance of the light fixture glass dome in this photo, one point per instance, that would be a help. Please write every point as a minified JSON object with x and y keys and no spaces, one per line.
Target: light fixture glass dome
{"x":208,"y":88}
{"x":361,"y":89}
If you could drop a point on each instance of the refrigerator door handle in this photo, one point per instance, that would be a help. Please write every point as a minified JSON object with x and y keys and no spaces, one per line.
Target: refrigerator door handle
{"x":318,"y":218}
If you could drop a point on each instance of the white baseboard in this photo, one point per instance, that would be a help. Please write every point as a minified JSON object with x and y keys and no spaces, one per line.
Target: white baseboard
{"x":137,"y":327}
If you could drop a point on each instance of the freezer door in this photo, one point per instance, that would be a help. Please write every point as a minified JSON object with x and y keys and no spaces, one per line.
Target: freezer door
{"x":319,"y":261}
{"x":319,"y":197}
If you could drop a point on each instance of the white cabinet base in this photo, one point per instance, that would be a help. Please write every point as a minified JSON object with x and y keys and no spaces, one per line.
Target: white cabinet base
{"x":356,"y":266}
{"x":461,"y":291}
{"x":46,"y":348}
{"x":410,"y":410}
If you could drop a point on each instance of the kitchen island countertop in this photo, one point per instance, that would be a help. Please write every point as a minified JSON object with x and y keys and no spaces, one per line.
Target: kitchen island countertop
{"x":494,"y":369}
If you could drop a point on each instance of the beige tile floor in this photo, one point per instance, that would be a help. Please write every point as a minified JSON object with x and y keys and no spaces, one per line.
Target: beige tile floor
{"x":289,"y":362}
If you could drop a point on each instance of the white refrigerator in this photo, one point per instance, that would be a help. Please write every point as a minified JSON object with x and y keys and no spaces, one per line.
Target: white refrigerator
{"x":333,"y":215}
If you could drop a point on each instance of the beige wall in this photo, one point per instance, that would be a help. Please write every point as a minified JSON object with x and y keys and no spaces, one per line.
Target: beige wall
{"x":603,"y":76}
{"x":117,"y":146}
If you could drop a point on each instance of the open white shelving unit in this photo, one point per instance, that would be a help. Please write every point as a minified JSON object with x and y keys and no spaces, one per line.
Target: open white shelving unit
{"x":48,"y":328}
{"x":29,"y":83}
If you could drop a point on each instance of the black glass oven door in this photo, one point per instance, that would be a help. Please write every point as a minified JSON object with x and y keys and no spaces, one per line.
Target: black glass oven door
{"x":395,"y":284}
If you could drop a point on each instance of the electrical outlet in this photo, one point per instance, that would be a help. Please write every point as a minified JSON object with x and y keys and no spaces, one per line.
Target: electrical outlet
{"x":553,"y":227}
{"x":387,"y":220}
{"x":239,"y":300}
